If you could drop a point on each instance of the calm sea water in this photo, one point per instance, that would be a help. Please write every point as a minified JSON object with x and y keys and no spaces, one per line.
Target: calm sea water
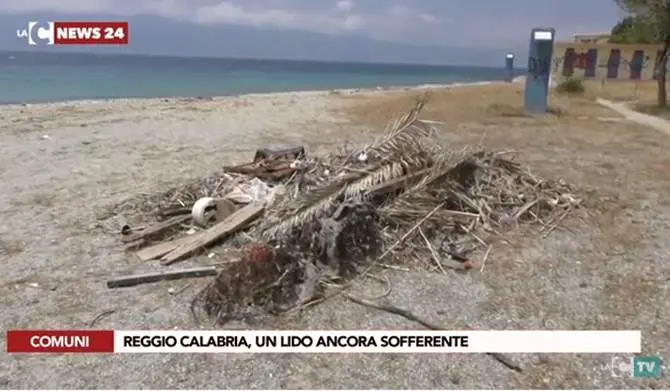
{"x":44,"y":77}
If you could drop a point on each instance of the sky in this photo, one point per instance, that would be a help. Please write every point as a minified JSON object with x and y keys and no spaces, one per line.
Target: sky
{"x":439,"y":23}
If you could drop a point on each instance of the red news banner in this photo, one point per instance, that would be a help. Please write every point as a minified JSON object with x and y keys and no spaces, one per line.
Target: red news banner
{"x":90,"y":33}
{"x":323,"y":341}
{"x":60,"y":341}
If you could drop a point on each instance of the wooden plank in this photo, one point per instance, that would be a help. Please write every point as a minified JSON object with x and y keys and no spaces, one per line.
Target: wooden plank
{"x":137,"y":279}
{"x":158,"y":250}
{"x":156,"y":229}
{"x":238,"y":220}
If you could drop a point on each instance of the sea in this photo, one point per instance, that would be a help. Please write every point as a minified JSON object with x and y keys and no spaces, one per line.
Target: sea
{"x":30,"y":77}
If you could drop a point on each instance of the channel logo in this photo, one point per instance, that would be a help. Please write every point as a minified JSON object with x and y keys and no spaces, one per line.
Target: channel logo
{"x":75,"y":33}
{"x":638,"y":367}
{"x":38,"y":33}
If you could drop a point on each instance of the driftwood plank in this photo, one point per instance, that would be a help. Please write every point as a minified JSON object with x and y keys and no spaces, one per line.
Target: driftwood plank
{"x":162,"y":276}
{"x":156,"y":229}
{"x":158,"y":250}
{"x":238,"y":220}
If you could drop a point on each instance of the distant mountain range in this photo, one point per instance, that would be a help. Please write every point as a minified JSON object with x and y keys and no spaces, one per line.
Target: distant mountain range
{"x":161,"y":36}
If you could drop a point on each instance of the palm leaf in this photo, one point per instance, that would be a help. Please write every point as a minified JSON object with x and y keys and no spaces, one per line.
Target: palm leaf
{"x":400,"y":152}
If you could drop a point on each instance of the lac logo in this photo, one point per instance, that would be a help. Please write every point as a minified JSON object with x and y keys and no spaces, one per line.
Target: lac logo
{"x":637,"y":367}
{"x":38,"y":33}
{"x":76,"y":33}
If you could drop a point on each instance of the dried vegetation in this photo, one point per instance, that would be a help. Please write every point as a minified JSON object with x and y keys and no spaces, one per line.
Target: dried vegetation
{"x":402,"y":201}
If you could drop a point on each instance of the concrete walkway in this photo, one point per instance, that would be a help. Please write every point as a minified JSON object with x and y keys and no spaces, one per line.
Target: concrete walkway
{"x":657,"y":123}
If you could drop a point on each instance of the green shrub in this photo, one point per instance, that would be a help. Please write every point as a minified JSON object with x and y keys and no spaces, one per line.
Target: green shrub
{"x":571,"y":86}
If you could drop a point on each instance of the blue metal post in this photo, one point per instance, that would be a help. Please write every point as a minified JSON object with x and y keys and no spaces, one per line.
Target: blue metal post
{"x":539,"y":70}
{"x":509,"y":67}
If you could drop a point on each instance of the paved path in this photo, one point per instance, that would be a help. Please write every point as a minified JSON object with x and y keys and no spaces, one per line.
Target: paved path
{"x":644,"y":119}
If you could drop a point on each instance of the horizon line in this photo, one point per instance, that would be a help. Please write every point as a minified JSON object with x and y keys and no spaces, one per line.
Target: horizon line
{"x":177,"y":56}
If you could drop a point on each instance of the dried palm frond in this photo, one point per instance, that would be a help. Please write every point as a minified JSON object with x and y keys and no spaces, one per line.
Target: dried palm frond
{"x":404,"y":136}
{"x":333,"y":196}
{"x":398,"y":153}
{"x":383,"y":174}
{"x":411,"y":197}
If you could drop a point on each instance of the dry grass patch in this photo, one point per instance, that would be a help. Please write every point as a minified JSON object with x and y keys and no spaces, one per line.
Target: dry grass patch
{"x":499,"y":103}
{"x":653,"y":109}
{"x":622,"y":90}
{"x":506,"y":110}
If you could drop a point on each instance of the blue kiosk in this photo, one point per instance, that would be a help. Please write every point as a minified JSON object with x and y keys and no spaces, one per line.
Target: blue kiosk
{"x":539,"y":70}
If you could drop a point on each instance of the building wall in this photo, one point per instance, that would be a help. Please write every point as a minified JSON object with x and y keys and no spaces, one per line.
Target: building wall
{"x":605,"y":61}
{"x":591,"y":38}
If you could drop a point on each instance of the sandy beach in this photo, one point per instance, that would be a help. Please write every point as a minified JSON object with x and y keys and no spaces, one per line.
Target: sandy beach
{"x":62,"y":164}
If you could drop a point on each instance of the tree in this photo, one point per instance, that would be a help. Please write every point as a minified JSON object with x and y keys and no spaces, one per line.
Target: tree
{"x":631,"y":30}
{"x":655,"y":15}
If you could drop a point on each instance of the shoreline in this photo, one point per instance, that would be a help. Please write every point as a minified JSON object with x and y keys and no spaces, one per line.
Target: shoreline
{"x":266,"y":95}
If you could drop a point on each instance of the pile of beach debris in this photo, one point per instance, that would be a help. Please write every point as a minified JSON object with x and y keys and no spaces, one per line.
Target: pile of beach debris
{"x":292,"y":225}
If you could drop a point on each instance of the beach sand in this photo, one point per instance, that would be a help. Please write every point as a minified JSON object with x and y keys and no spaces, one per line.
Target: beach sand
{"x":62,"y":164}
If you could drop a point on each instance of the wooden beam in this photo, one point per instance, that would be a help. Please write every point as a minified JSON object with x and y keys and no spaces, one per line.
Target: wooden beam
{"x":137,"y":279}
{"x":158,"y":250}
{"x":236,"y":221}
{"x":156,"y":229}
